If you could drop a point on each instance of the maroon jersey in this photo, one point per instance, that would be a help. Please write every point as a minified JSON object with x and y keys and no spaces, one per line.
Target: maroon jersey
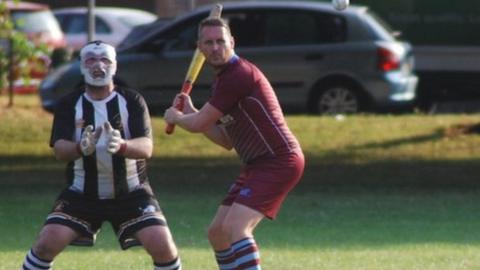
{"x":252,"y":115}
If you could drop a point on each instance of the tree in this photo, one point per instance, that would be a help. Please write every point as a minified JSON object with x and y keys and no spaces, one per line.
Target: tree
{"x":19,"y":56}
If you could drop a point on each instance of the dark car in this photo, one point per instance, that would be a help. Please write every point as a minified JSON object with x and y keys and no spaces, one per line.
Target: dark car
{"x":318,"y":59}
{"x":140,"y":31}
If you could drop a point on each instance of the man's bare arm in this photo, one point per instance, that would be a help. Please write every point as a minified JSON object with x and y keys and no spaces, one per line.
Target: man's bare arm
{"x":201,"y":121}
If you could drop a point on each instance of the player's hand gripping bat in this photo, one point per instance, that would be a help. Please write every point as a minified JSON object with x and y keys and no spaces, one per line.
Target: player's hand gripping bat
{"x":193,"y":70}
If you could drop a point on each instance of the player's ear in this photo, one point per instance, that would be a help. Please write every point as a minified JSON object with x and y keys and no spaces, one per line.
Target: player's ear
{"x":232,"y":41}
{"x":199,"y":45}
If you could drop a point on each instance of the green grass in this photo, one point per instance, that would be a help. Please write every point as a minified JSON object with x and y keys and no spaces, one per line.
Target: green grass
{"x":380,"y":192}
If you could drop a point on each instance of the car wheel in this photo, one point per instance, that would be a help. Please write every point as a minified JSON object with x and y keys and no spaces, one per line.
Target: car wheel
{"x":336,"y":99}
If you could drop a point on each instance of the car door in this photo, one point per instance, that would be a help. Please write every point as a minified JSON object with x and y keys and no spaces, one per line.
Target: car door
{"x":75,"y":27}
{"x":159,"y":65}
{"x":291,"y":46}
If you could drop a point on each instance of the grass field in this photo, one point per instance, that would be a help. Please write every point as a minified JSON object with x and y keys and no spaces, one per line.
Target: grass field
{"x":382,"y":192}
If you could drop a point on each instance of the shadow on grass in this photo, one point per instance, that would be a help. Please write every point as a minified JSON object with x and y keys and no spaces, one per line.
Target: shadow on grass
{"x":336,"y":205}
{"x":435,"y":136}
{"x":206,"y":172}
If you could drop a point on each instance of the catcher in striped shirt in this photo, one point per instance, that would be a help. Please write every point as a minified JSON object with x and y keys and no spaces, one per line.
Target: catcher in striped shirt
{"x":104,"y":133}
{"x":242,"y":113}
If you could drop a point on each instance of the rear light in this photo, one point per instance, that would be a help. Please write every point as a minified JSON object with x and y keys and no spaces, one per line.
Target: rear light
{"x":387,"y":59}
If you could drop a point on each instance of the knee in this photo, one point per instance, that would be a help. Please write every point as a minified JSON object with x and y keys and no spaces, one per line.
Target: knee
{"x":158,"y":242}
{"x":216,"y":231}
{"x":163,"y":254}
{"x":237,"y":230}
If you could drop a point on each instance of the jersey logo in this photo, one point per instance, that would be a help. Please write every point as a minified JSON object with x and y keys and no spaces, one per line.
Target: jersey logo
{"x":246,"y":192}
{"x":148,"y":209}
{"x":226,"y":120}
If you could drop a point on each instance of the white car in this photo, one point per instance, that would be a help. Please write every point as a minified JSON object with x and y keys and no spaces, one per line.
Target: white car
{"x":112,"y":24}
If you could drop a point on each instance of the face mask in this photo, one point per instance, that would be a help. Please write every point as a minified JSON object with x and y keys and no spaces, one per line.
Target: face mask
{"x":98,"y":64}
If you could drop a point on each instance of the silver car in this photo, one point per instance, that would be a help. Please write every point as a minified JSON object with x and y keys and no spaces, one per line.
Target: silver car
{"x":318,"y":59}
{"x":112,"y":24}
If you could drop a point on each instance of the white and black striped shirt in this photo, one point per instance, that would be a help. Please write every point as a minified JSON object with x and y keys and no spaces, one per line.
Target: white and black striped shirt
{"x":102,"y":175}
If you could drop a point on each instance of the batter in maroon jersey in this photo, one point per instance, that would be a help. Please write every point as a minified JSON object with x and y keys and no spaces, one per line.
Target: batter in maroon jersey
{"x":243,"y":113}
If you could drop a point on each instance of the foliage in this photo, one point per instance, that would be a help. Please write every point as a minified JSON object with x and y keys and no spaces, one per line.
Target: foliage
{"x":27,"y":55}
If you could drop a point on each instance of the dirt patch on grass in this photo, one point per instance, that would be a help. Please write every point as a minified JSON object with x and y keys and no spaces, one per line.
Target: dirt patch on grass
{"x":462,"y":129}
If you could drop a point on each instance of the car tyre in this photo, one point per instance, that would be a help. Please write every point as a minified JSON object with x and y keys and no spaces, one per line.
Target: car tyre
{"x":335,"y":99}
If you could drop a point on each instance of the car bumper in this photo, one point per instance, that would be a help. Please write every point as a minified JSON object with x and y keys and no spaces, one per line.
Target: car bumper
{"x":22,"y":86}
{"x":403,"y":88}
{"x":393,"y":89}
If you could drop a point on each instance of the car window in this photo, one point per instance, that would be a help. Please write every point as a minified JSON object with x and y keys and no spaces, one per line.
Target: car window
{"x":180,"y":38}
{"x":260,"y":29}
{"x":77,"y":24}
{"x":279,"y":28}
{"x":380,"y":28}
{"x":134,"y":19}
{"x":247,"y":28}
{"x":39,"y":21}
{"x":285,"y":28}
{"x":185,"y":39}
{"x":101,"y":27}
{"x":62,"y":21}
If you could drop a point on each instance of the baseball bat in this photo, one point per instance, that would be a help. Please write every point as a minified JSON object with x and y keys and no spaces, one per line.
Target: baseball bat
{"x":193,"y":70}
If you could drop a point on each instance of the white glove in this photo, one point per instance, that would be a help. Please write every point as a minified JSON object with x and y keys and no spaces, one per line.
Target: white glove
{"x":115,"y":143}
{"x":89,"y":140}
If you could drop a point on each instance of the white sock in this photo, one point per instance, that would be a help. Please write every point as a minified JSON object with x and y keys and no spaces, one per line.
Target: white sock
{"x":173,"y":265}
{"x":33,"y":262}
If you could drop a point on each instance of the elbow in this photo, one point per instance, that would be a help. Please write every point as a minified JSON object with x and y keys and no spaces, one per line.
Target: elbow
{"x":147,"y":150}
{"x":228,"y":147}
{"x":62,"y":156}
{"x":148,"y":154}
{"x":226,"y":143}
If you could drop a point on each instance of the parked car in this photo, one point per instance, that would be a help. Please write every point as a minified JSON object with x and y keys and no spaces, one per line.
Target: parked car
{"x":318,"y":59}
{"x":140,"y":31}
{"x":42,"y":29}
{"x":112,"y":24}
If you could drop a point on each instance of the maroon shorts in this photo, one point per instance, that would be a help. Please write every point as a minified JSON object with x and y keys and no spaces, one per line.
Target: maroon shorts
{"x":264,"y":184}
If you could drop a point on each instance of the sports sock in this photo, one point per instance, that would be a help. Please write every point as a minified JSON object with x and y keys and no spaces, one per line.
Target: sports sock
{"x":33,"y":262}
{"x":247,"y":256}
{"x":173,"y":265}
{"x":225,"y":259}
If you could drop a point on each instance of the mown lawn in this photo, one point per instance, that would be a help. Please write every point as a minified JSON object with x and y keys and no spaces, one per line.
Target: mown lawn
{"x":379,"y":192}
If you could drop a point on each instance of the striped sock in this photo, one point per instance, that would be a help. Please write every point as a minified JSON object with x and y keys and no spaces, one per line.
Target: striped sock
{"x":247,"y":256}
{"x":226,"y":259}
{"x":33,"y":262}
{"x":173,"y":265}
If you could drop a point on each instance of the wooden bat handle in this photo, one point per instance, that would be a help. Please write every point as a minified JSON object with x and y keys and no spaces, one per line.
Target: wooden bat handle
{"x":216,"y":11}
{"x":186,"y":89}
